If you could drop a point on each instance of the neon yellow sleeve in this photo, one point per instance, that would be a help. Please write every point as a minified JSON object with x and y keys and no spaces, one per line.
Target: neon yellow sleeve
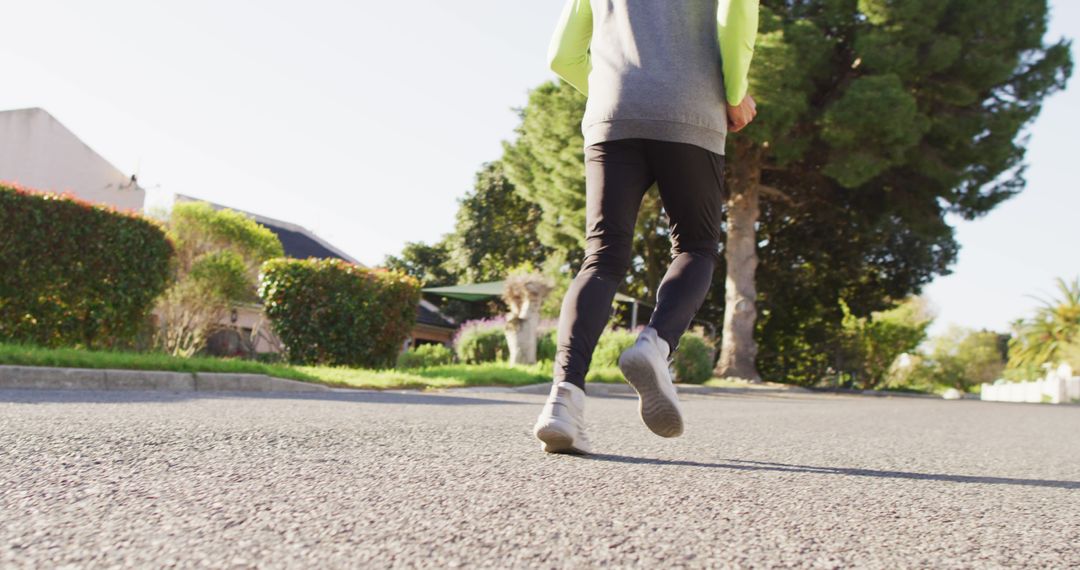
{"x":568,"y":53}
{"x":737,"y":24}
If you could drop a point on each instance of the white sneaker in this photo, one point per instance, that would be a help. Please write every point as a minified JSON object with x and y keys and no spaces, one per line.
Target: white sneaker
{"x":645,"y":367}
{"x":561,"y":425}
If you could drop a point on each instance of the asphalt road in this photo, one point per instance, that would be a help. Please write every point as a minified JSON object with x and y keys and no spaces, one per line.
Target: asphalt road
{"x":373,"y":480}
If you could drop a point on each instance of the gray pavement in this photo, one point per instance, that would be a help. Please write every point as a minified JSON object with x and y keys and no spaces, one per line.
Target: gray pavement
{"x":334,"y":479}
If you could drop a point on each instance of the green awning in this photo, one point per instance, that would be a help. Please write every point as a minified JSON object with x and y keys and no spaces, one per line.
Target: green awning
{"x":482,"y":291}
{"x":469,"y":292}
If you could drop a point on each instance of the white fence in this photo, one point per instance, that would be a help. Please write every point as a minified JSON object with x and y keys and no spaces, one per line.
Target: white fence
{"x":1059,"y":386}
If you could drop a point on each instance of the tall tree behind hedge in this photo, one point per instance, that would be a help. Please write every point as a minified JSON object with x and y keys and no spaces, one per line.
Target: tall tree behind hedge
{"x":919,"y":103}
{"x":219,"y":253}
{"x":877,"y":119}
{"x":496,"y":229}
{"x":428,"y":264}
{"x":546,"y":166}
{"x":76,"y":274}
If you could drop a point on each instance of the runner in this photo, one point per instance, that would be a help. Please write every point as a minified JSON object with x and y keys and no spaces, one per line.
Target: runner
{"x":665,"y":81}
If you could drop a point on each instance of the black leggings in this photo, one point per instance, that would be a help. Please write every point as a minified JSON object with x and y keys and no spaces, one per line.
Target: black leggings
{"x":617,"y":174}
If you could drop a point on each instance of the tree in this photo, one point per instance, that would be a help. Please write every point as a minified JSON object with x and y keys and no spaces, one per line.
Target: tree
{"x":917,"y":102}
{"x":1070,"y":354}
{"x":218,"y":256}
{"x":496,"y":229}
{"x":524,"y":295}
{"x":1043,"y":338}
{"x":872,"y":344}
{"x":830,"y":244}
{"x":961,"y":358}
{"x":428,"y":264}
{"x":546,"y":164}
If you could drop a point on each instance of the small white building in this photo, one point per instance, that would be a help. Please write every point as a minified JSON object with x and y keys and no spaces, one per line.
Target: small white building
{"x":37,"y":152}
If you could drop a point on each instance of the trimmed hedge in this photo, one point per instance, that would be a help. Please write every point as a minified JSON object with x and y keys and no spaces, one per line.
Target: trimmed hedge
{"x":74,"y":273}
{"x":331,"y":312}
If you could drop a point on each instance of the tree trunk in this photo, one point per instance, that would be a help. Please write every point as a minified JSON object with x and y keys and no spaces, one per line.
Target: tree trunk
{"x":738,"y":349}
{"x":524,"y":296}
{"x":522,"y":324}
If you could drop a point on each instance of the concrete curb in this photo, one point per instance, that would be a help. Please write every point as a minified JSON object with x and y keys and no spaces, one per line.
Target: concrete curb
{"x":50,"y":378}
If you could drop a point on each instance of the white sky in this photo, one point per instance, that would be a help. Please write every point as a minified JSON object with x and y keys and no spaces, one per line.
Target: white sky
{"x":365,"y":121}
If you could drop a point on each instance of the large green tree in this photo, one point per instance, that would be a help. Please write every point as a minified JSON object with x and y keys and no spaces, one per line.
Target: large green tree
{"x":877,"y":118}
{"x":545,"y":164}
{"x":429,"y":264}
{"x":918,"y":104}
{"x":495,"y":231}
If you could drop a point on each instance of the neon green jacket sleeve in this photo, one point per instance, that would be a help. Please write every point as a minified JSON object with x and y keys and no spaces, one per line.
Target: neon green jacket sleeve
{"x":568,"y":53}
{"x":737,"y":24}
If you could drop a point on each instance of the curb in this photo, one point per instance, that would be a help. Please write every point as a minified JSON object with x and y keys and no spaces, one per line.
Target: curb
{"x":50,"y":378}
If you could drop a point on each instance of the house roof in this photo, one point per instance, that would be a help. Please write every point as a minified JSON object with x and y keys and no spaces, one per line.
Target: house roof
{"x":428,"y":314}
{"x":297,"y":241}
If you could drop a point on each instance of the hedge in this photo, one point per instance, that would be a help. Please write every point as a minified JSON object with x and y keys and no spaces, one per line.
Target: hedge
{"x":331,"y":312}
{"x":74,"y":273}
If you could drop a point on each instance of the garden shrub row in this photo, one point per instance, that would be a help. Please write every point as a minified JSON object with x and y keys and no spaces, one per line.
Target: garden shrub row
{"x":485,"y":341}
{"x":76,"y":274}
{"x":425,"y":356}
{"x":331,"y":312}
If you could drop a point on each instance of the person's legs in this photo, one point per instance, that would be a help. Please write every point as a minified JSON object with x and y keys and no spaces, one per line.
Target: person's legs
{"x":691,"y":181}
{"x":617,"y":174}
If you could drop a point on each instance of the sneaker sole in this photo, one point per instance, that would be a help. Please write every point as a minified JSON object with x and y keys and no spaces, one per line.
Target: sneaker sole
{"x":554,"y":439}
{"x":658,"y":411}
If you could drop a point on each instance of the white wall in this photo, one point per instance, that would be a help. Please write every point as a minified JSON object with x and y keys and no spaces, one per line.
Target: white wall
{"x":39,"y":153}
{"x":1059,"y":387}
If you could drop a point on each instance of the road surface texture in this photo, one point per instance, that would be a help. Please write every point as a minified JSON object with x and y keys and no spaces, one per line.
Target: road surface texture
{"x":92,"y":479}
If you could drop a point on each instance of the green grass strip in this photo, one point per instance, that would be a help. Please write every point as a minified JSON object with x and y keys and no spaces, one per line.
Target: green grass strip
{"x":447,"y":376}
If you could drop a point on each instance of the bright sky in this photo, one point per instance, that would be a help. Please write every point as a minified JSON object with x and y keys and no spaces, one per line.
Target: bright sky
{"x":364,"y":121}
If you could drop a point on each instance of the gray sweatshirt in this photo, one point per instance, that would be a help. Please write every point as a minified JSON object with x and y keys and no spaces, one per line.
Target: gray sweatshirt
{"x":654,"y":69}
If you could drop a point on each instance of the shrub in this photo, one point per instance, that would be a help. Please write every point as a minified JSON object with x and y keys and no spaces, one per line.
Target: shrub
{"x":76,"y":274}
{"x":693,"y":359}
{"x":546,"y":344}
{"x":611,"y":344}
{"x":328,"y":311}
{"x":425,"y":356}
{"x":218,"y":253}
{"x":482,"y":341}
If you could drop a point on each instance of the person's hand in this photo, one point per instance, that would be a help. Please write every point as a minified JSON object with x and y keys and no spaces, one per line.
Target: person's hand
{"x":738,"y":116}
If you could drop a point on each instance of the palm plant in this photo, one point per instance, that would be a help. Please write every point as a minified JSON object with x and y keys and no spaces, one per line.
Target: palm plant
{"x":1044,"y":338}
